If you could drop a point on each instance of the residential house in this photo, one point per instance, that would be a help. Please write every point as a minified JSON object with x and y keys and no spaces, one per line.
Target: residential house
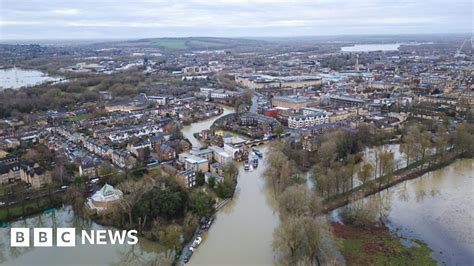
{"x":35,"y":175}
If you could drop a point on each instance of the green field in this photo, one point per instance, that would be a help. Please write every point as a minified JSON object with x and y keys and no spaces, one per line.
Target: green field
{"x":78,"y":117}
{"x":171,"y":43}
{"x":192,"y":43}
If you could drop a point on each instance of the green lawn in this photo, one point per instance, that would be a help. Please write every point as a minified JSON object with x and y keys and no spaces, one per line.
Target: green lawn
{"x":78,"y":117}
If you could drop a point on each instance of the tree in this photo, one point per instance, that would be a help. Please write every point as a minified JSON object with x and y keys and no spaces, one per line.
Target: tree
{"x":360,"y":213}
{"x":365,"y":172}
{"x":425,"y":143}
{"x":294,"y":201}
{"x":441,"y":141}
{"x":302,"y":240}
{"x":279,"y":169}
{"x":387,"y":166}
{"x":201,"y":203}
{"x":168,"y":201}
{"x":351,"y":166}
{"x":410,"y":142}
{"x":288,"y":240}
{"x":212,"y":182}
{"x":464,"y":143}
{"x":200,"y":179}
{"x":132,"y":193}
{"x":316,"y":244}
{"x":170,"y":237}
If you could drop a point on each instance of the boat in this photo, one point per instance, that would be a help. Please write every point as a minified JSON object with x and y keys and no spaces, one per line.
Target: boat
{"x":257,"y":152}
{"x":255,"y":163}
{"x":253,"y":159}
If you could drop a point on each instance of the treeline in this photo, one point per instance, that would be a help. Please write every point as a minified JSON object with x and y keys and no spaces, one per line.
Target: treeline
{"x":69,"y":94}
{"x":303,"y":237}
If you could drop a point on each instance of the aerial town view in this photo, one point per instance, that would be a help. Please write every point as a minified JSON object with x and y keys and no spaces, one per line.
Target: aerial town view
{"x":236,"y":132}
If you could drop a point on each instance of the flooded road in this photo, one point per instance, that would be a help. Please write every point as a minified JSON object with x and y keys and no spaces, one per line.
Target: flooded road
{"x":242,"y":233}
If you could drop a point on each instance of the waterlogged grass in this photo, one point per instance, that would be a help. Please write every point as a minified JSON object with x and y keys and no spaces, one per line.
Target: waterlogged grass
{"x":378,"y":246}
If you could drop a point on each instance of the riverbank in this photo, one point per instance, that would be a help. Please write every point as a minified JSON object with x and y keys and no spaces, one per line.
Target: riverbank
{"x":412,"y":171}
{"x":376,"y":245}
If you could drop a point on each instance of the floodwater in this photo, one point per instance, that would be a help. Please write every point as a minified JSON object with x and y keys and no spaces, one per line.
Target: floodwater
{"x":189,"y":130}
{"x":15,"y":78}
{"x":436,"y":208}
{"x":242,"y":233}
{"x":145,"y":251}
{"x":375,"y":47}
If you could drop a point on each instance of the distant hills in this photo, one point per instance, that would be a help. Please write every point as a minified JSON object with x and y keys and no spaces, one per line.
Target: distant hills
{"x":191,"y":43}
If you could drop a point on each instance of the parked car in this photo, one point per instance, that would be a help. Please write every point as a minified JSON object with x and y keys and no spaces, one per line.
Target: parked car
{"x":62,"y":189}
{"x":246,"y":165}
{"x":197,"y":242}
{"x":2,"y":203}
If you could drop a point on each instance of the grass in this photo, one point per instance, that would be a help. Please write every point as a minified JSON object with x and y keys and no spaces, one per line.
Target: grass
{"x":78,"y":117}
{"x":376,"y":245}
{"x":3,"y":189}
{"x":171,"y":43}
{"x":30,"y":208}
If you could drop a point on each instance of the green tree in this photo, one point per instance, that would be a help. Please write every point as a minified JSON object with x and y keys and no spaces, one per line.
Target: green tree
{"x":212,"y":182}
{"x":200,"y":179}
{"x":201,"y":203}
{"x":464,"y":142}
{"x":170,"y":237}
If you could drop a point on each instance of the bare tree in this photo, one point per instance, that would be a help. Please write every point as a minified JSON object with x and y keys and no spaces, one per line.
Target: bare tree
{"x":132,"y":192}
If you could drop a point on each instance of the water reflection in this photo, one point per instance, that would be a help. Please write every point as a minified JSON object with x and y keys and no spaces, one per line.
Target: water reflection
{"x":437,"y":209}
{"x":87,"y":254}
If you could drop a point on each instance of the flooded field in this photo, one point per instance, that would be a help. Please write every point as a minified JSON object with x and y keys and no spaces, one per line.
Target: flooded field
{"x":15,"y":78}
{"x":436,"y":208}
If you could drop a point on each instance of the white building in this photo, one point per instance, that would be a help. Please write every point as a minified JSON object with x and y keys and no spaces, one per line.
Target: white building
{"x":104,"y":198}
{"x":309,"y":120}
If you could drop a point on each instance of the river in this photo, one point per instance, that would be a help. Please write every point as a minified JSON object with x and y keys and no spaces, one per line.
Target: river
{"x":243,"y":231}
{"x":15,"y":78}
{"x":189,"y":130}
{"x":435,"y":208}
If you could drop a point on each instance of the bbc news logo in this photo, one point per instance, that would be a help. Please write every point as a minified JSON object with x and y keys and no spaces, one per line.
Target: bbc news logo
{"x":66,"y":237}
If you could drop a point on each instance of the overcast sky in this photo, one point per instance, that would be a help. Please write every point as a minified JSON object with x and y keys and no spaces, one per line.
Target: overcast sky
{"x":91,"y":19}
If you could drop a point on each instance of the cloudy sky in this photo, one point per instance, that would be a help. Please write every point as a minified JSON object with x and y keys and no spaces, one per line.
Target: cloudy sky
{"x":92,"y":19}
